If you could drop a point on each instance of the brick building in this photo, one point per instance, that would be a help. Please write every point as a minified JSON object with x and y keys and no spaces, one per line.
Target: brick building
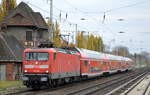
{"x":10,"y":57}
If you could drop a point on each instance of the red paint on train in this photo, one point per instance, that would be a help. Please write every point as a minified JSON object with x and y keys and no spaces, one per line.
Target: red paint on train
{"x":51,"y":66}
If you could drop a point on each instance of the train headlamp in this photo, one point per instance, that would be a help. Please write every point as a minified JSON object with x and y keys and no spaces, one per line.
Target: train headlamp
{"x":46,"y":71}
{"x":25,"y":71}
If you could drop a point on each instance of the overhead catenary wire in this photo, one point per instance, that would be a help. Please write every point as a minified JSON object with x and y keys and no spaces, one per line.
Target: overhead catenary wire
{"x":130,"y":5}
{"x":106,"y":11}
{"x":70,"y":23}
{"x":66,"y":20}
{"x":73,"y":6}
{"x":94,"y":12}
{"x":97,"y":12}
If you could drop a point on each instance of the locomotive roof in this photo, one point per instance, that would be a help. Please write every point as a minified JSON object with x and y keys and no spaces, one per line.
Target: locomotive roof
{"x":39,"y":49}
{"x":53,"y":50}
{"x":87,"y":53}
{"x":98,"y":55}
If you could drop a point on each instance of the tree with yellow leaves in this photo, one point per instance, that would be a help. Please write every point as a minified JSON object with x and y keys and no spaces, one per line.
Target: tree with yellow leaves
{"x":5,"y":6}
{"x":57,"y":39}
{"x":57,"y":36}
{"x":71,"y":45}
{"x":90,"y":42}
{"x":80,"y":40}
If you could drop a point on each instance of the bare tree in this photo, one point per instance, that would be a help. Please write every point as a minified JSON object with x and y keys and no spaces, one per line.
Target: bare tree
{"x":121,"y":50}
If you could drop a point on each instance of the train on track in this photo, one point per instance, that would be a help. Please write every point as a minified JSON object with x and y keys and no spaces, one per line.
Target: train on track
{"x":55,"y":66}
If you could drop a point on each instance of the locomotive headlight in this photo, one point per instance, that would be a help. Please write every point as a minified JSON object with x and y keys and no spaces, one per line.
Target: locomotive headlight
{"x":46,"y":71}
{"x":25,"y":71}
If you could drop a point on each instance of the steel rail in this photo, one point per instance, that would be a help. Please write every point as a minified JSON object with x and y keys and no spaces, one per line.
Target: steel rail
{"x":126,"y":84}
{"x":95,"y":88}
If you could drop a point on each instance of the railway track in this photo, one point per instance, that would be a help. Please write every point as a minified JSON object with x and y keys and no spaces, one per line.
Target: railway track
{"x":87,"y":82}
{"x":147,"y":90}
{"x":141,"y":87}
{"x":104,"y":88}
{"x":87,"y":86}
{"x":129,"y":86}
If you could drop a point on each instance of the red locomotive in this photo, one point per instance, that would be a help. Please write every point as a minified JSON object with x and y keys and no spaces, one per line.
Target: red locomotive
{"x":55,"y":66}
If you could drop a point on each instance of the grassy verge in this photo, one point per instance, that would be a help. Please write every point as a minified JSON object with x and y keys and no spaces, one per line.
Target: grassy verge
{"x":9,"y":84}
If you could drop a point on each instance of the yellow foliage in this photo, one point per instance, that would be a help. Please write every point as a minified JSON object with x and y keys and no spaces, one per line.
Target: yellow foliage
{"x":81,"y":40}
{"x":89,"y":42}
{"x":57,"y":36}
{"x":71,"y":45}
{"x":49,"y":23}
{"x":3,"y":8}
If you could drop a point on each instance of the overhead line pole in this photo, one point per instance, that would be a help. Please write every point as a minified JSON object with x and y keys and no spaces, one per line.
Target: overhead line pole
{"x":76,"y":34}
{"x":51,"y":20}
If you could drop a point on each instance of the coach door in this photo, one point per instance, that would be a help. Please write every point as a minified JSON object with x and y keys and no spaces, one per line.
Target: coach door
{"x":2,"y":72}
{"x":85,"y":67}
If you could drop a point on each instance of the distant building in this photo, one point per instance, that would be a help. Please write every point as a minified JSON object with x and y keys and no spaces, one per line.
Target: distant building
{"x":10,"y":57}
{"x":26,"y":25}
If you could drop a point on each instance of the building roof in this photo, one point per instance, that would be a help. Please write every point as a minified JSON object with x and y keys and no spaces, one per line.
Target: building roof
{"x":23,"y":15}
{"x":10,"y":48}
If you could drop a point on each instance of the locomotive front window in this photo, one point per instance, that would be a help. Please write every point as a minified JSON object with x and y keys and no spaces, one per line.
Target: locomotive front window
{"x":37,"y":56}
{"x":31,"y":56}
{"x":42,"y":56}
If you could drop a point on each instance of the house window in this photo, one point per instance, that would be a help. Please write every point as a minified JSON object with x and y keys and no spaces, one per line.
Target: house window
{"x":40,"y":34}
{"x":2,"y":72}
{"x":29,"y":35}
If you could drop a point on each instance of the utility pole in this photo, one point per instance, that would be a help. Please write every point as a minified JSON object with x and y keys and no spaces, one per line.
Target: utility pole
{"x":135,"y":56}
{"x":76,"y":33}
{"x":51,"y":20}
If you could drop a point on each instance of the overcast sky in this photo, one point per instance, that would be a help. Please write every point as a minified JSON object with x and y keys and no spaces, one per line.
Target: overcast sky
{"x":135,"y":15}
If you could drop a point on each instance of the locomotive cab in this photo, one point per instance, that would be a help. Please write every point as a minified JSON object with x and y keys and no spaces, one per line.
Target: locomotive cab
{"x":36,"y":67}
{"x":49,"y":67}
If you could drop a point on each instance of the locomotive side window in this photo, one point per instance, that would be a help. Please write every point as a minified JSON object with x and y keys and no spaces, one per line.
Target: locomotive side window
{"x":85,"y":63}
{"x":39,"y":56}
{"x":55,"y":56}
